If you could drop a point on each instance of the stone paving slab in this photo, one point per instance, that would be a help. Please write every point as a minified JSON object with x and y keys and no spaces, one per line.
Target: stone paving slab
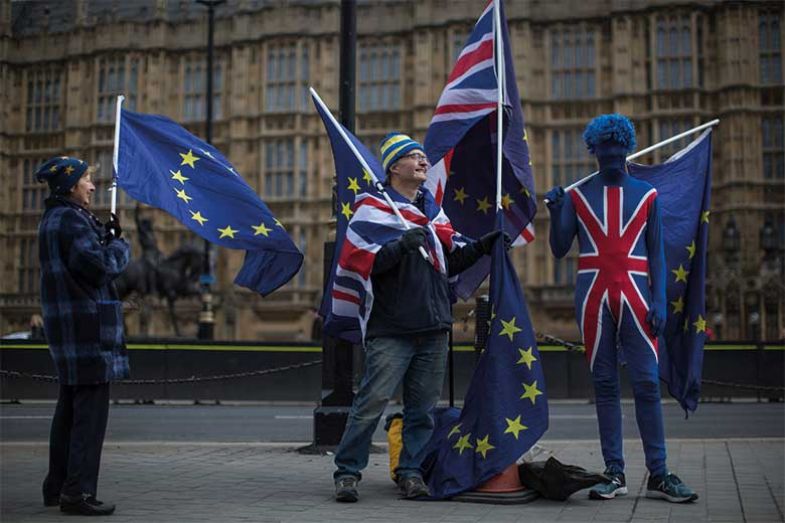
{"x":739,"y":480}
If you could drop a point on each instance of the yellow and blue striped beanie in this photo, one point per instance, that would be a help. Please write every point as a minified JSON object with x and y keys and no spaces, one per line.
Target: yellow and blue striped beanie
{"x":395,"y":145}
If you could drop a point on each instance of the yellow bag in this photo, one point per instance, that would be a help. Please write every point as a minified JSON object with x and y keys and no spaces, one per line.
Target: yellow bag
{"x":394,"y":428}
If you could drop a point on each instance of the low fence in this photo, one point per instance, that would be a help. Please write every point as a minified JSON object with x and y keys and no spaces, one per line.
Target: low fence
{"x":189,"y":370}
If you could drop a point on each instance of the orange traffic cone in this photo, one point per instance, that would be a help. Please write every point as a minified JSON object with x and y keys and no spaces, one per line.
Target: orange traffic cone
{"x":507,"y":481}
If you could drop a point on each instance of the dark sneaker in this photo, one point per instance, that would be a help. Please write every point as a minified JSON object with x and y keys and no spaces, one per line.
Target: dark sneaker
{"x":346,"y":489}
{"x":670,"y":488}
{"x":616,"y":487}
{"x":413,"y":487}
{"x":85,"y":505}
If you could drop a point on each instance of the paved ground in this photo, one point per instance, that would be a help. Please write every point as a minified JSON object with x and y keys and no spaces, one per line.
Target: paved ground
{"x":740,"y":480}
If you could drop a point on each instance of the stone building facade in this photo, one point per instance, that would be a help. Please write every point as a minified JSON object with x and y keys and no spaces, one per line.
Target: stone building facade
{"x":669,"y":65}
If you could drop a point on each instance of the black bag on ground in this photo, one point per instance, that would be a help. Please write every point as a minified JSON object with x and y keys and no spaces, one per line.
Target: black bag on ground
{"x":555,"y":480}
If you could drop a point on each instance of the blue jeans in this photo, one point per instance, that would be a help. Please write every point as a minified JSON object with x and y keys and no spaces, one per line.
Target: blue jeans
{"x":418,"y":361}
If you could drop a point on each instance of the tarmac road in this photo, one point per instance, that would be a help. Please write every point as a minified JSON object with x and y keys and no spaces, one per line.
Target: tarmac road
{"x":294,"y":423}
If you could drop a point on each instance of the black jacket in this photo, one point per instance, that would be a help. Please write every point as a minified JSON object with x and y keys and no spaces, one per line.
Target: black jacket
{"x":409,"y":295}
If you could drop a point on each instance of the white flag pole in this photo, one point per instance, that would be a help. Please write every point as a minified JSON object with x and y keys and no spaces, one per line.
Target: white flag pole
{"x":648,"y":150}
{"x":365,"y":166}
{"x":500,"y":79}
{"x":113,"y":188}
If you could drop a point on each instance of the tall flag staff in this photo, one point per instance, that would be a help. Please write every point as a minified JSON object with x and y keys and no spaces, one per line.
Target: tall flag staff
{"x":647,"y":150}
{"x":500,"y":75}
{"x":115,"y":153}
{"x":374,"y":180}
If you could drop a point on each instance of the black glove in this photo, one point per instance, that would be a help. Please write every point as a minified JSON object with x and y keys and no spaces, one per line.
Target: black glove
{"x":113,"y":229}
{"x":487,"y":241}
{"x":413,"y":239}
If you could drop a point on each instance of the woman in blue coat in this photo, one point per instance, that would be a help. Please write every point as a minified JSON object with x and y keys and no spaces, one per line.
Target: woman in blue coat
{"x":83,"y":322}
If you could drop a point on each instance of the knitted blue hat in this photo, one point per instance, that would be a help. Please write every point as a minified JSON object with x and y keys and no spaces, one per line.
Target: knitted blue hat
{"x":610,"y":134}
{"x":394,"y":146}
{"x":61,"y":173}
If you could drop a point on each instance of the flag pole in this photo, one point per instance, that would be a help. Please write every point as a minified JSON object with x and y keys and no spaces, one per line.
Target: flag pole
{"x":498,"y":46}
{"x":115,"y":154}
{"x":647,"y":150}
{"x":365,"y":166}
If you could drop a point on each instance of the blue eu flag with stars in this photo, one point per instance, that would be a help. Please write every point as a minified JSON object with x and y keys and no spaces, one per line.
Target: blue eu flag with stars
{"x":163,"y":165}
{"x":683,"y":184}
{"x":506,"y":408}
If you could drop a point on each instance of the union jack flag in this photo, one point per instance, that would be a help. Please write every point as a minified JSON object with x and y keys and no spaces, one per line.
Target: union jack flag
{"x":374,"y":224}
{"x":612,"y":264}
{"x":365,"y":222}
{"x":461,"y":145}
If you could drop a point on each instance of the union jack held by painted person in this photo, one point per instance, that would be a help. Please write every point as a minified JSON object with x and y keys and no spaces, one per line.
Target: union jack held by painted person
{"x":461,"y":145}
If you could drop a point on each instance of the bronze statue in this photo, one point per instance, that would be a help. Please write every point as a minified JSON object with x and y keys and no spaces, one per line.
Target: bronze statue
{"x":171,"y":277}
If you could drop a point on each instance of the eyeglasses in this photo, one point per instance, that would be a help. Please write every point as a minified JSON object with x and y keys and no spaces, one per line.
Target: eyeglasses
{"x":417,"y":157}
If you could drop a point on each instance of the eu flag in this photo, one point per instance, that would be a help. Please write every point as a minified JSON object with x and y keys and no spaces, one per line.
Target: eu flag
{"x":351,"y":179}
{"x":683,"y":184}
{"x":506,"y":409}
{"x":163,"y":165}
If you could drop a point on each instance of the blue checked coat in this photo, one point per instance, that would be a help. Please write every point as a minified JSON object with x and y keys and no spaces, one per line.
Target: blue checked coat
{"x":83,"y":317}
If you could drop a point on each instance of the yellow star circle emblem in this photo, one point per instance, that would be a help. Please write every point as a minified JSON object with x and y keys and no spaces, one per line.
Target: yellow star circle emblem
{"x":261,"y":229}
{"x":514,"y":426}
{"x":527,"y":357}
{"x":189,"y":158}
{"x":483,"y":446}
{"x":197,"y":216}
{"x":227,"y":232}
{"x":530,"y":392}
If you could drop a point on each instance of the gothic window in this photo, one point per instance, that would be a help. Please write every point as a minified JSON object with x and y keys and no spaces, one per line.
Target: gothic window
{"x":773,"y":147}
{"x":44,"y":100}
{"x":116,"y":76}
{"x":770,"y":50}
{"x":195,"y":89}
{"x":380,"y":78}
{"x":572,"y":63}
{"x":674,"y":52}
{"x":288,"y":76}
{"x":279,"y":168}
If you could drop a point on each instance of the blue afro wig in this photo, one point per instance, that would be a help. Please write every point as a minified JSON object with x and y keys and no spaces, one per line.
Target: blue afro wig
{"x":615,"y":128}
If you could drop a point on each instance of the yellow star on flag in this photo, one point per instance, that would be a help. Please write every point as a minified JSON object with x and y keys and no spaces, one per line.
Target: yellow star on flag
{"x":189,"y":158}
{"x":483,"y":205}
{"x":514,"y":426}
{"x":460,"y":195}
{"x":68,"y":170}
{"x":181,"y":194}
{"x":681,"y":274}
{"x":354,"y":186}
{"x":691,"y":249}
{"x":367,"y":177}
{"x":227,"y":232}
{"x":509,"y":328}
{"x":278,"y":223}
{"x":261,"y":229}
{"x":705,"y":216}
{"x":506,"y":201}
{"x":198,"y":217}
{"x":526,"y":357}
{"x":455,"y":430}
{"x":525,"y":136}
{"x":483,"y":446}
{"x":530,"y":391}
{"x":678,"y":305}
{"x":524,"y":190}
{"x":53,"y":169}
{"x":177,"y":175}
{"x":346,"y":210}
{"x":463,"y":443}
{"x":700,"y":324}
